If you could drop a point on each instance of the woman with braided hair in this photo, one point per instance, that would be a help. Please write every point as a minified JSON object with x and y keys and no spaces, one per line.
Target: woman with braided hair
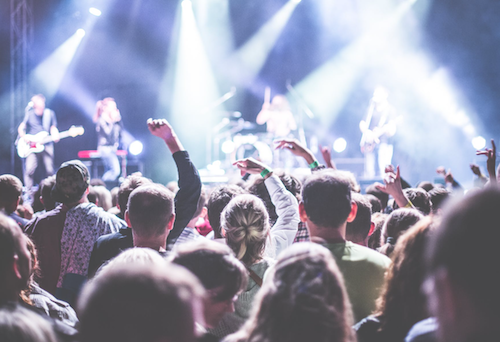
{"x":245,"y":225}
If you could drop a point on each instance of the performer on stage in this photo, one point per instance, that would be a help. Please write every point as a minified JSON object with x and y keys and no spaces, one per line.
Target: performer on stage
{"x":279,"y":119}
{"x":38,"y":119}
{"x":377,"y":128}
{"x":109,"y":127}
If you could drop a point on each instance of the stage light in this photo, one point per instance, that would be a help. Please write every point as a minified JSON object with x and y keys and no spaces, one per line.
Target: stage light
{"x":186,"y":4}
{"x":296,"y":1}
{"x":478,"y":142}
{"x":228,"y":146}
{"x":95,"y":11}
{"x":80,"y":33}
{"x":135,"y":148}
{"x":339,"y":145}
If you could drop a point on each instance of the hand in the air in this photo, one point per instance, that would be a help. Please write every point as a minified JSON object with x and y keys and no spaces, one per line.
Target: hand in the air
{"x":250,"y":165}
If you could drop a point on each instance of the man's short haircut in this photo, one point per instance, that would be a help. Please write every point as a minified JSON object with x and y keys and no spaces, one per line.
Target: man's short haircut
{"x":215,"y":266}
{"x":375,"y":202}
{"x":258,"y":188}
{"x":150,"y":207}
{"x":140,"y":302}
{"x":11,"y":188}
{"x":419,"y":198}
{"x":217,"y":201}
{"x":466,"y":246}
{"x":426,"y":185}
{"x":382,"y":196}
{"x":327,"y":198}
{"x":358,"y":230}
{"x":130,"y":183}
{"x":438,"y":196}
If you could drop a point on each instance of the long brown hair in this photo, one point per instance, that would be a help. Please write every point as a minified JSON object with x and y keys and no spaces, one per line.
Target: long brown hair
{"x":402,"y":302}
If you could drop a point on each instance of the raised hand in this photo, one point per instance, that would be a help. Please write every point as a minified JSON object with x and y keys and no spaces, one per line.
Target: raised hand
{"x":325,"y":152}
{"x":392,"y":186}
{"x":250,"y":165}
{"x":294,"y":146}
{"x":491,"y":153}
{"x":476,"y":170}
{"x":162,"y":129}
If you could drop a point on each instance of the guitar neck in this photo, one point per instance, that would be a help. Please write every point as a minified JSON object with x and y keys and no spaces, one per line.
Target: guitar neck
{"x":50,"y":138}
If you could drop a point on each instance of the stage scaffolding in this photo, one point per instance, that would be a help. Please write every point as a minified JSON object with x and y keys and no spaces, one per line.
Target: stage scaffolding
{"x":21,"y":39}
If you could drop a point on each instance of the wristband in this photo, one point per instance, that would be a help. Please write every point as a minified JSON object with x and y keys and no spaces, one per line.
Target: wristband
{"x":265,"y":172}
{"x":408,"y":205}
{"x":314,"y":164}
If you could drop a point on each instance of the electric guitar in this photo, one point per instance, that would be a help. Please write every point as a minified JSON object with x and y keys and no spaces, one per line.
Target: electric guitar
{"x":36,"y":143}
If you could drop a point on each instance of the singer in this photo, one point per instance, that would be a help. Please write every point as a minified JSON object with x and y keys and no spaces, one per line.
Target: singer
{"x":38,"y":119}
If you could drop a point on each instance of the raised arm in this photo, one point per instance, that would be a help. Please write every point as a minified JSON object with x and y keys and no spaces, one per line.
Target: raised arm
{"x":186,"y":199}
{"x":392,"y":186}
{"x":287,"y":208}
{"x":491,"y":153}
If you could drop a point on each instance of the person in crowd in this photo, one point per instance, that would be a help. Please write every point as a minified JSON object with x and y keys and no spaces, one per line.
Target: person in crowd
{"x":245,"y":224}
{"x":439,"y":196}
{"x":184,"y":204}
{"x":109,"y":127}
{"x":463,"y":287}
{"x":65,"y":235}
{"x":190,"y":233}
{"x":103,"y":197}
{"x":38,"y":119}
{"x":378,"y":220}
{"x":399,"y":221}
{"x":46,"y":186}
{"x":358,"y":230}
{"x":222,"y":275}
{"x":140,"y":297}
{"x":420,"y":199}
{"x":11,"y":189}
{"x":375,"y":202}
{"x":402,"y":303}
{"x":302,"y":299}
{"x":15,"y":271}
{"x":382,"y":196}
{"x":217,"y":201}
{"x":326,"y":208}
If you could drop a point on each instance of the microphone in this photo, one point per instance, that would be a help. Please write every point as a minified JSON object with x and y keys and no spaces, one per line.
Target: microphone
{"x":29,"y":106}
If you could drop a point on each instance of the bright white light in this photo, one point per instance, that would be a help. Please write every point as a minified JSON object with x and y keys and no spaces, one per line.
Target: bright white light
{"x":228,"y":146}
{"x":296,"y":1}
{"x":135,"y":148}
{"x":339,"y":145}
{"x":478,"y":142}
{"x":95,"y":11}
{"x":186,"y":4}
{"x":80,"y":33}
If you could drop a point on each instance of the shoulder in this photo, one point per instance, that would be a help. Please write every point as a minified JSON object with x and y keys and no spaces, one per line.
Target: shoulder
{"x":361,"y":252}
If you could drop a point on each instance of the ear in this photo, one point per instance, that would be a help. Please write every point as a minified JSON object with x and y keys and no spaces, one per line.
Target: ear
{"x":372,"y":228}
{"x":127,"y":219}
{"x":15,"y":267}
{"x":204,"y":212}
{"x":170,"y":223}
{"x":354,"y":211}
{"x":302,"y":212}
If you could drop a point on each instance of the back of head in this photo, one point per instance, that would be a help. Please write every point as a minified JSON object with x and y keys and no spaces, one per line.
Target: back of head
{"x":22,"y":325}
{"x":425,"y":185}
{"x":46,"y":187}
{"x":202,"y":200}
{"x":13,"y":249}
{"x":246,"y":226}
{"x":379,"y":221}
{"x":131,"y":183}
{"x":402,"y":302}
{"x":382,"y":196}
{"x":140,"y":302}
{"x":304,"y":299}
{"x":217,"y":201}
{"x":215,"y":266}
{"x":438,"y":196}
{"x":466,"y":247}
{"x":357,"y":230}
{"x":396,"y":224}
{"x":150,"y":207}
{"x":11,"y":189}
{"x":419,"y":198}
{"x":72,"y":180}
{"x":375,"y":202}
{"x":103,"y":197}
{"x":327,"y":198}
{"x":258,"y":188}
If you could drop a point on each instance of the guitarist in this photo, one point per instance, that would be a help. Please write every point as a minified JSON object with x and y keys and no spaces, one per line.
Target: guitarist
{"x":377,"y":128}
{"x":38,"y":119}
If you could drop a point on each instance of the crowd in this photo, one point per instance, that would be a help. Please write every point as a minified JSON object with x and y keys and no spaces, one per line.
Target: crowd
{"x":275,"y":258}
{"x":272,"y":257}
